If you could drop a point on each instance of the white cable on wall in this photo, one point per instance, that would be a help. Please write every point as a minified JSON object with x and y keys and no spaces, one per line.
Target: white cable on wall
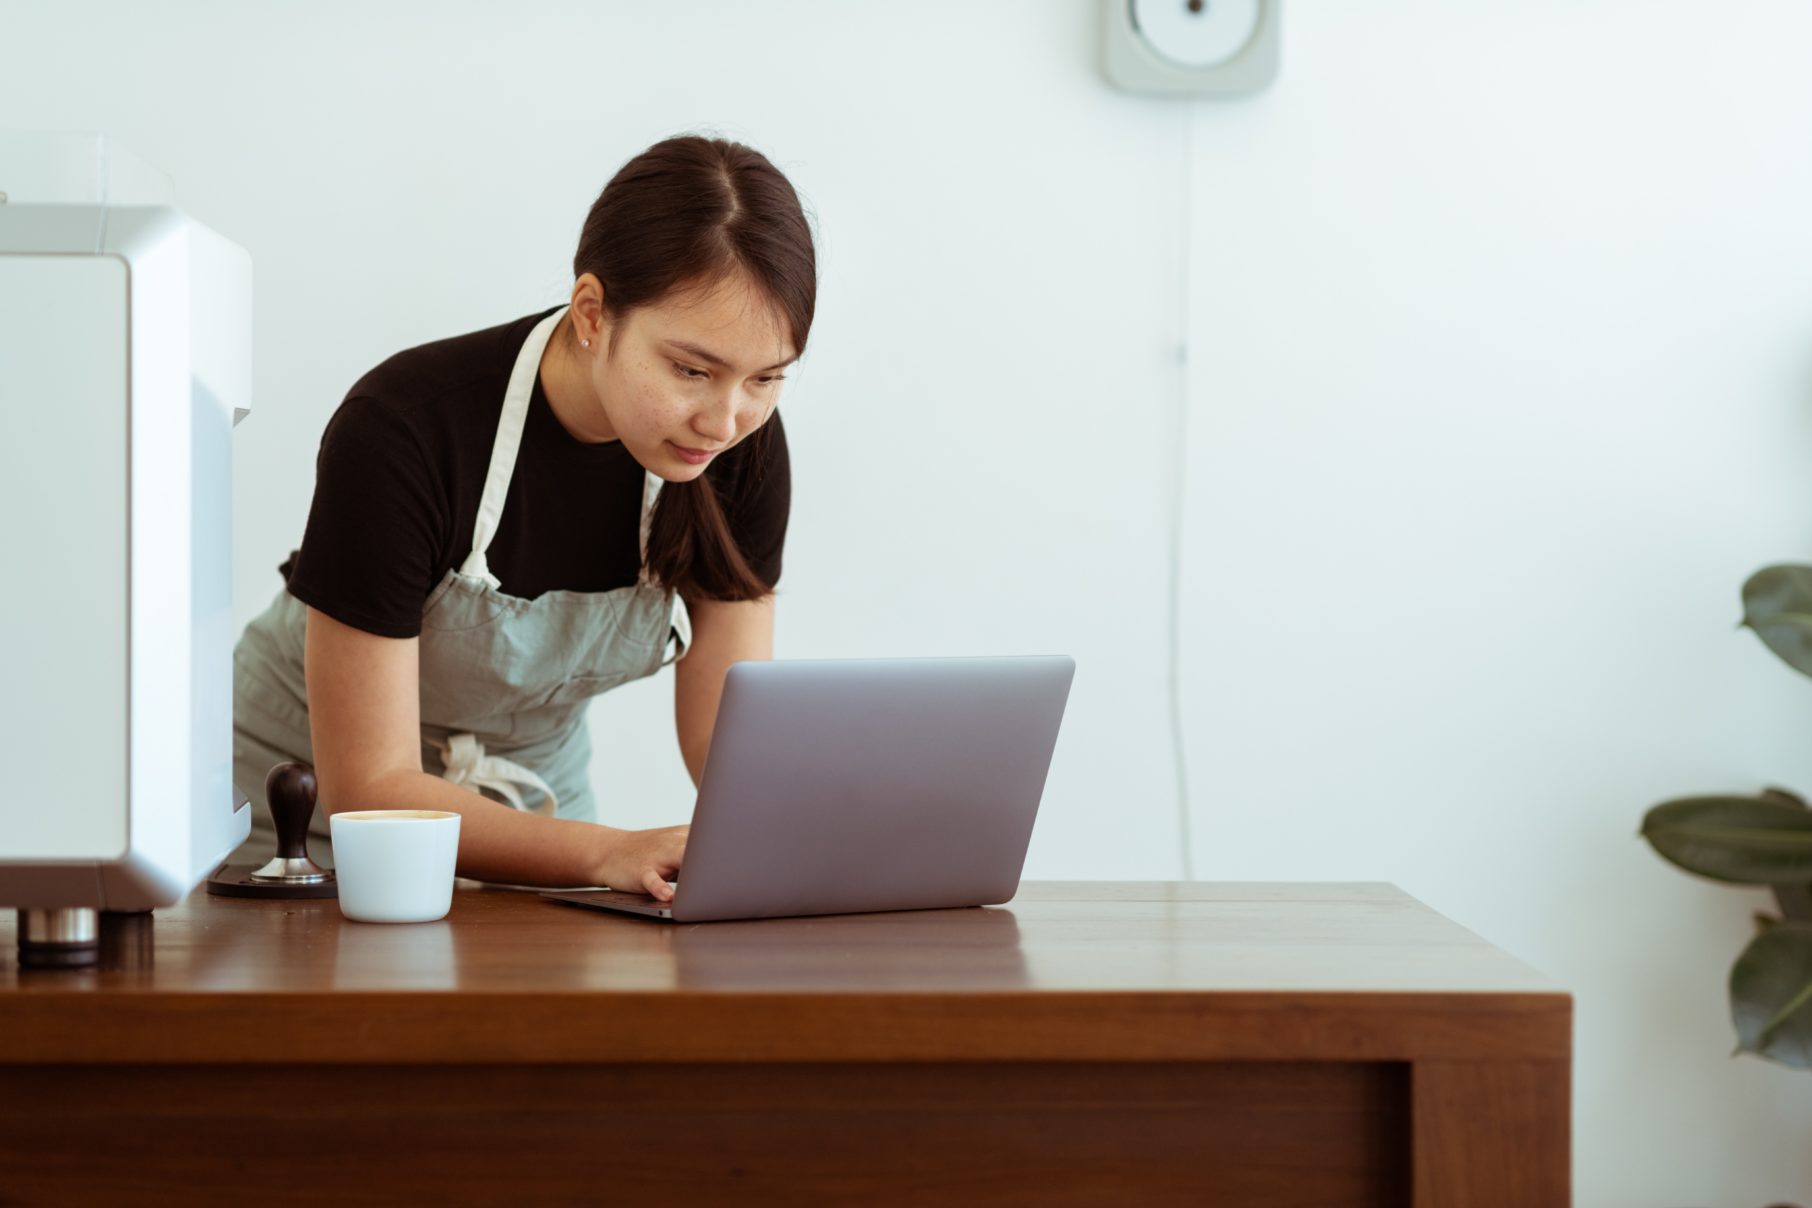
{"x":1180,"y":447}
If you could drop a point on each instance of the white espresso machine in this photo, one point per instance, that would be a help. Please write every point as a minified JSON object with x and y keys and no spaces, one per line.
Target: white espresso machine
{"x":125,"y":362}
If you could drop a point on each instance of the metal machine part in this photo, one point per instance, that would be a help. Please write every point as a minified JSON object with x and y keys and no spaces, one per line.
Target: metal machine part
{"x":66,"y":938}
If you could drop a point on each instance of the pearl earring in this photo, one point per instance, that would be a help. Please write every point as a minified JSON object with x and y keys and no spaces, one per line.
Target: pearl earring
{"x":585,"y":343}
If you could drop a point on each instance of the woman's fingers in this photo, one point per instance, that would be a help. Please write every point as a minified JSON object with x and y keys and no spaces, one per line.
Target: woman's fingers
{"x":654,"y":883}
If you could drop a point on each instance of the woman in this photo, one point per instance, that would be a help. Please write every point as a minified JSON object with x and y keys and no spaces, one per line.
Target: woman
{"x":509,"y":522}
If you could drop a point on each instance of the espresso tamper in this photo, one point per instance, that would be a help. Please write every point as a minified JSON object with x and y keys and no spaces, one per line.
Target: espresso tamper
{"x":290,"y":790}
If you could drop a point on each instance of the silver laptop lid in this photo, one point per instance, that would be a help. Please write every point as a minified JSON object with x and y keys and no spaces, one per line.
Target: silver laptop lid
{"x":843,"y":785}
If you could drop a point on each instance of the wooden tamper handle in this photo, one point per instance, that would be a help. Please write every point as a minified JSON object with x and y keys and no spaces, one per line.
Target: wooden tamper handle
{"x":290,"y":789}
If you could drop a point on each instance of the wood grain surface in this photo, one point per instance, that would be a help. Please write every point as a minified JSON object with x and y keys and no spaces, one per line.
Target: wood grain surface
{"x":1083,"y":971}
{"x":1260,"y":1045}
{"x":1247,"y":1135}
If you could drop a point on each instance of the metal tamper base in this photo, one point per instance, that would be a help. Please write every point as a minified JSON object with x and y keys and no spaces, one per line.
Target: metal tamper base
{"x":290,"y":788}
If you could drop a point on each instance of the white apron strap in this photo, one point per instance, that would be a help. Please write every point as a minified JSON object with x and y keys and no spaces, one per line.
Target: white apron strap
{"x":468,"y":764}
{"x":503,"y":449}
{"x":679,"y":621}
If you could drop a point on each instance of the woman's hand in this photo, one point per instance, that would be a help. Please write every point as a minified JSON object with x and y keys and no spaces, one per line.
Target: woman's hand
{"x":641,"y":861}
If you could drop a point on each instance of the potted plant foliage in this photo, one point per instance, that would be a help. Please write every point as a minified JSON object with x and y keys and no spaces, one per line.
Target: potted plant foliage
{"x":1761,"y":840}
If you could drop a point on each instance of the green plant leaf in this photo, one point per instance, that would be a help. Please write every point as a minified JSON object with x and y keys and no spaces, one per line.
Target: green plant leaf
{"x":1741,"y":840}
{"x":1777,"y":605}
{"x":1771,"y":995}
{"x":1785,"y":796}
{"x":1795,"y":902}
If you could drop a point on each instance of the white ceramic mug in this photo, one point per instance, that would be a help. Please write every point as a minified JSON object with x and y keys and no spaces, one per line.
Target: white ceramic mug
{"x":395,"y":866}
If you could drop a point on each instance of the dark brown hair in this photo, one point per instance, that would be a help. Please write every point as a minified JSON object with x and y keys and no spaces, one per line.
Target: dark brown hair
{"x":685,"y":214}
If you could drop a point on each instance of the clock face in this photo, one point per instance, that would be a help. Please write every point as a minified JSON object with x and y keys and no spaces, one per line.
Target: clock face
{"x":1196,"y":33}
{"x":1185,"y":48}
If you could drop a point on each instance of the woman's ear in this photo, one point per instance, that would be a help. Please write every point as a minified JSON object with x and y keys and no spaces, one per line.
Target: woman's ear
{"x":590,"y":319}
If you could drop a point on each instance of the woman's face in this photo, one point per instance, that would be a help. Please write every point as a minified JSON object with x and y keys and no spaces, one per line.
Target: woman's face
{"x":689,"y":377}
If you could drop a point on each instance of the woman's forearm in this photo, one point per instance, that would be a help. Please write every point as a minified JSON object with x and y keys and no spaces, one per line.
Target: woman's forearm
{"x":723,"y":632}
{"x":695,"y":716}
{"x":497,"y":843}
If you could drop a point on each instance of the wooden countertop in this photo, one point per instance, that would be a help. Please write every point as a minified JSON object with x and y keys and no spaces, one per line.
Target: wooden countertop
{"x":1091,"y":971}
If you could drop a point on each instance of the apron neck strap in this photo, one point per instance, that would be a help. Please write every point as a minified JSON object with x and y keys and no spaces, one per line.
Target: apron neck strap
{"x":508,"y":443}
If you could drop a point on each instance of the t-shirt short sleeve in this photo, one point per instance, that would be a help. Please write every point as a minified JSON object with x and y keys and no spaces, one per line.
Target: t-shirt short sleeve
{"x":376,"y":525}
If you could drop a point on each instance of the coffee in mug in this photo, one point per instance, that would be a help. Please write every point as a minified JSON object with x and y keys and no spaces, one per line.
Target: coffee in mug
{"x":395,"y":866}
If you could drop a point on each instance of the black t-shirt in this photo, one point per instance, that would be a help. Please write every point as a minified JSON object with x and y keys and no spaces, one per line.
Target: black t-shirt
{"x":402,"y":466}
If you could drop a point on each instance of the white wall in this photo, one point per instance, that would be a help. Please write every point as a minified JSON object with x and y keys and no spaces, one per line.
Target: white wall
{"x":1501,"y":386}
{"x":1499,"y":331}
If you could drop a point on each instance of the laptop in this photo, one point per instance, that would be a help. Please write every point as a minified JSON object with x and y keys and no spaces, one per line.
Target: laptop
{"x":842,"y":786}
